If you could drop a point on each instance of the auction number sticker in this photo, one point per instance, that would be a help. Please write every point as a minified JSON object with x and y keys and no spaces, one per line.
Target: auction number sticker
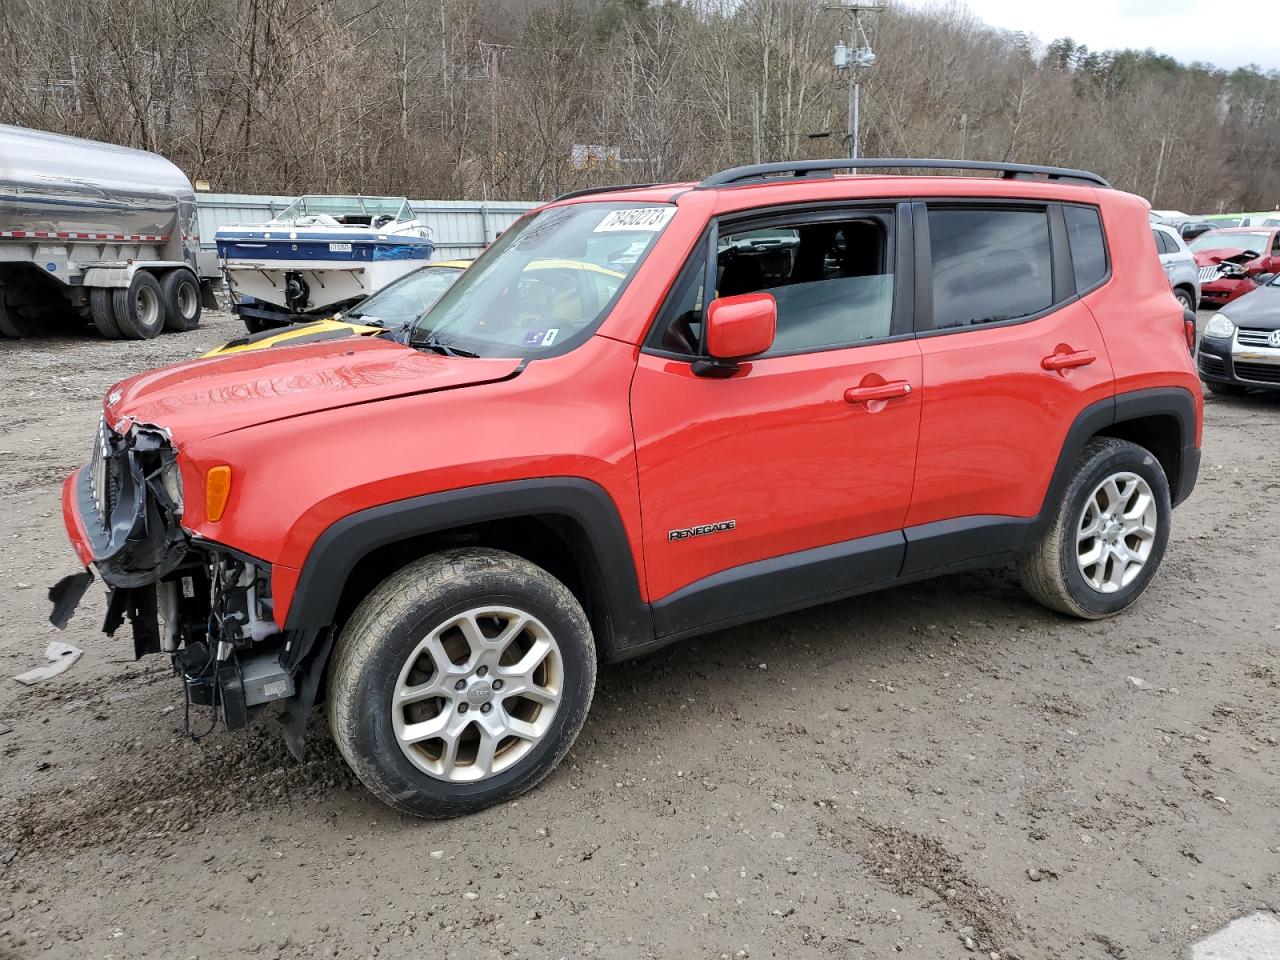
{"x":636,"y":218}
{"x":339,"y":248}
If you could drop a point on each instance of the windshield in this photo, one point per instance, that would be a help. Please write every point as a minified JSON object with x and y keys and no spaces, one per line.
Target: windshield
{"x":407,"y":299}
{"x":1216,"y":240}
{"x":346,"y":211}
{"x":545,"y":284}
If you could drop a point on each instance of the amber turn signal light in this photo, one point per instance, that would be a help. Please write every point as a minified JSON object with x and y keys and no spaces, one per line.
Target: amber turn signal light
{"x":217,"y":489}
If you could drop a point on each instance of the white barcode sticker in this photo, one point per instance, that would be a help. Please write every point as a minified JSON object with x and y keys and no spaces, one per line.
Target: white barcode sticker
{"x":339,"y":248}
{"x":636,"y":218}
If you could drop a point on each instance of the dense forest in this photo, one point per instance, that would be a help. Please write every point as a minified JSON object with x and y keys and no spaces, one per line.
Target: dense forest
{"x":523,"y":99}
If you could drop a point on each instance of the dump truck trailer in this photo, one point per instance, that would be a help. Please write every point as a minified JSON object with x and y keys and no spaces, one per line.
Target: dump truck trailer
{"x":94,"y":231}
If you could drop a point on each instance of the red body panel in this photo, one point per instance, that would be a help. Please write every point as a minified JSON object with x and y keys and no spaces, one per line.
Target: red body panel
{"x":994,"y":418}
{"x":563,"y":416}
{"x":71,"y":520}
{"x":776,"y":448}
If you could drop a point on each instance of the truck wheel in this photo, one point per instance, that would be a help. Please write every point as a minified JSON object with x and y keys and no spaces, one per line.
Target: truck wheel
{"x":1108,"y":536}
{"x":13,"y":324}
{"x":460,"y":682}
{"x":102,"y":309}
{"x":181,"y":292}
{"x":140,"y":308}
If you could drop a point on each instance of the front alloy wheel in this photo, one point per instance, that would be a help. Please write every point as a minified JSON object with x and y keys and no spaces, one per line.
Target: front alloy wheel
{"x":461,"y":681}
{"x":477,"y":694}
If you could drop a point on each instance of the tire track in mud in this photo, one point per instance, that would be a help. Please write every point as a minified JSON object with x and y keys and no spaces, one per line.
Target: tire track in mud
{"x":920,"y":867}
{"x":158,"y":793}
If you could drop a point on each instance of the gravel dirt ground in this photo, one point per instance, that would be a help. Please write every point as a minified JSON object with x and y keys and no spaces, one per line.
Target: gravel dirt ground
{"x":884,"y":776}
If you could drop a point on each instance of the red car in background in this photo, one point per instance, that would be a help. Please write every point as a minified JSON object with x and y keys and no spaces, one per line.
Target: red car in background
{"x":1230,"y":259}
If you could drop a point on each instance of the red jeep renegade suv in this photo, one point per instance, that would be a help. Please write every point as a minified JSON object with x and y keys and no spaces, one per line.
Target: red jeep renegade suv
{"x":646,"y":413}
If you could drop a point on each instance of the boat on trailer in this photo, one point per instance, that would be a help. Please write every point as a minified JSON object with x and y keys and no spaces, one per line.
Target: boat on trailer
{"x":321,"y":255}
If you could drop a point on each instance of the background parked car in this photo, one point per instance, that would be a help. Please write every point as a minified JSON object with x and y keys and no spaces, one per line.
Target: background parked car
{"x":1194,"y":228}
{"x":1179,"y":265}
{"x":1240,"y":348}
{"x":389,"y":309}
{"x":1230,"y":259}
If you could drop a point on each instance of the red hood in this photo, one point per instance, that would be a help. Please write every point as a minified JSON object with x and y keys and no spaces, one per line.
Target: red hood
{"x":1207,"y":258}
{"x":206,"y":397}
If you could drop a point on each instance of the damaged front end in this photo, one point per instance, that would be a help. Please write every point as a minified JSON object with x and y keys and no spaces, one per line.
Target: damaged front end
{"x":207,"y":606}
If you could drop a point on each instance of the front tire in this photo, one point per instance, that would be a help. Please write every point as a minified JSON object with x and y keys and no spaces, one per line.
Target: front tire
{"x":460,"y":682}
{"x":1108,"y":535}
{"x":1225,"y":389}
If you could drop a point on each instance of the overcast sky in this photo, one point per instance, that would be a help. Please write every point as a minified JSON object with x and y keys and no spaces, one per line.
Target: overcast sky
{"x":1225,"y":34}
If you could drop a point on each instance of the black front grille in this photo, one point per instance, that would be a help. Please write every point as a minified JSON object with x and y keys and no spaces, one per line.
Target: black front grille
{"x":1258,"y":372}
{"x":1214,"y":366}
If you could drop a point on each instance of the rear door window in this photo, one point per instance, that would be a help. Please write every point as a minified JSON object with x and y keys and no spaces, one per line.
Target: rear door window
{"x":989,"y":264}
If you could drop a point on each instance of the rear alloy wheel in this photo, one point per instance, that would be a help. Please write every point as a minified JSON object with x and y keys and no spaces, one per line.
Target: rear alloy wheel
{"x":139,"y":308}
{"x":181,"y":291}
{"x":461,"y":681}
{"x":102,"y":310}
{"x":1108,"y":535}
{"x":1184,"y":297}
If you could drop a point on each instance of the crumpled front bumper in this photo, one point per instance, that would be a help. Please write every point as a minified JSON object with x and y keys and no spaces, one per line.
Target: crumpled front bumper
{"x":121,"y":520}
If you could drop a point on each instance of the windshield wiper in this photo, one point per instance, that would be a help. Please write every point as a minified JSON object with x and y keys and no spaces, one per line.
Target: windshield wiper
{"x":433,"y":343}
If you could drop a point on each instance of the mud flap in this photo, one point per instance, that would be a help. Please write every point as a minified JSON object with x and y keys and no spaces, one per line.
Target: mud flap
{"x":66,"y":594}
{"x":294,"y":716}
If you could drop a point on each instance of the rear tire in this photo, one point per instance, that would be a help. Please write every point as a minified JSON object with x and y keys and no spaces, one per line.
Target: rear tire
{"x":139,"y":309}
{"x":1185,"y":298}
{"x":259,"y":325}
{"x":102,"y":310}
{"x":1225,"y":389}
{"x":13,"y":324}
{"x":460,"y":682}
{"x":1126,"y":529}
{"x":182,"y":308}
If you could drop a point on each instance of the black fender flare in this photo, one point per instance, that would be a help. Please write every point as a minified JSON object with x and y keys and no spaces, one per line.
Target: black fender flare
{"x":584,"y":504}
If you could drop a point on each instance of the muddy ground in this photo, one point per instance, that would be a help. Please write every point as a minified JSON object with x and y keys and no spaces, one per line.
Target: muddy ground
{"x":879,"y":777}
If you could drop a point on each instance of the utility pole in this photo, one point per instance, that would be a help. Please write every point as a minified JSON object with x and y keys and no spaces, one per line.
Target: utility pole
{"x":855,"y":57}
{"x":964,"y":134}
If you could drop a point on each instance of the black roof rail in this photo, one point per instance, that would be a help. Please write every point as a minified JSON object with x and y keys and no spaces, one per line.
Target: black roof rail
{"x":590,"y":190}
{"x":804,"y":168}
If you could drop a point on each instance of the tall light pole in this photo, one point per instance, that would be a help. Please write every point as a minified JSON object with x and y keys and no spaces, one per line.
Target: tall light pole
{"x":854,"y":57}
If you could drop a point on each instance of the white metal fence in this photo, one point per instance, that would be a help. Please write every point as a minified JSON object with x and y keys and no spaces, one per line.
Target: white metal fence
{"x":460,"y":228}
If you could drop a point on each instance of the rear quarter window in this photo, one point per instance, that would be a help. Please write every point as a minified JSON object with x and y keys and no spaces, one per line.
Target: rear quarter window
{"x":1089,"y":246}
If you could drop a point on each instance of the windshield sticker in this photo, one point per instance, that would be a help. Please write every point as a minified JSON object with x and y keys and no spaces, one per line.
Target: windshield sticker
{"x":550,"y":338}
{"x":651,"y":219}
{"x":533,"y":338}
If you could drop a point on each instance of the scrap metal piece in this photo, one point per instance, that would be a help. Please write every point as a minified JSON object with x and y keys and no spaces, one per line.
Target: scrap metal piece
{"x":60,"y":655}
{"x":66,"y":595}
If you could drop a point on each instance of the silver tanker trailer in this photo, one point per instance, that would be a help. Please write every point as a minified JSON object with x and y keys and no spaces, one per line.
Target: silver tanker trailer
{"x":97,"y":232}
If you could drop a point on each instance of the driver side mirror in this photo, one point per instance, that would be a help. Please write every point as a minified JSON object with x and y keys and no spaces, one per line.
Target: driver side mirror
{"x":737,"y":328}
